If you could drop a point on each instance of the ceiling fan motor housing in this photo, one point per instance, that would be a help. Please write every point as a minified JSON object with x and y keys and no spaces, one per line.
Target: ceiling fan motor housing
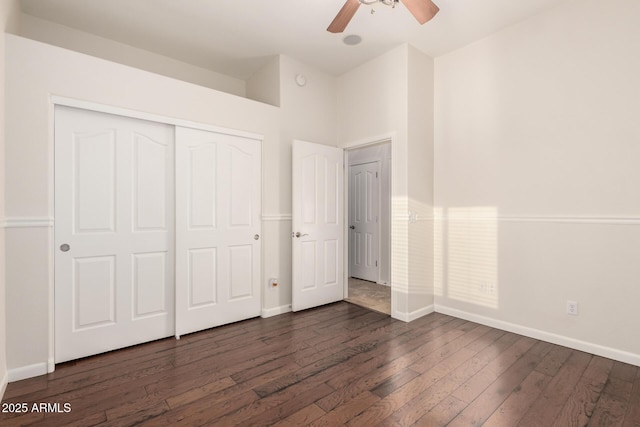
{"x":422,"y":10}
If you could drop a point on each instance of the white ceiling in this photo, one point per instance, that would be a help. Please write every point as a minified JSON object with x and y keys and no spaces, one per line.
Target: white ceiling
{"x":235,"y":37}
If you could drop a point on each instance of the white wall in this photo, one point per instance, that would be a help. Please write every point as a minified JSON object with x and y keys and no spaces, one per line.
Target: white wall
{"x":79,"y":41}
{"x":308,"y":113}
{"x":420,"y":164}
{"x":9,"y":12}
{"x":536,"y":182}
{"x":264,"y":84}
{"x":373,"y":105}
{"x":34,"y":72}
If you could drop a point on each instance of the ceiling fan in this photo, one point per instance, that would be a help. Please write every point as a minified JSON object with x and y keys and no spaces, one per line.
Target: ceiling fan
{"x":422,"y":10}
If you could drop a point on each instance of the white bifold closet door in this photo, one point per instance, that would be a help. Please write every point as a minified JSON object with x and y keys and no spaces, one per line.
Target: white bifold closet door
{"x":114,"y":232}
{"x":218,"y":197}
{"x":157,"y":231}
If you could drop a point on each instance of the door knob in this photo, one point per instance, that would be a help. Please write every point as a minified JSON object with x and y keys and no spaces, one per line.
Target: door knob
{"x":353,"y":227}
{"x":64,"y":247}
{"x":298,"y":235}
{"x":256,"y":237}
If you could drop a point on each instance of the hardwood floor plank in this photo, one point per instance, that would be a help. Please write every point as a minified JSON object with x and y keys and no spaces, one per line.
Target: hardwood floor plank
{"x":11,"y":420}
{"x":338,"y":364}
{"x":552,"y":363}
{"x":135,"y":416}
{"x":632,"y":416}
{"x":519,"y":401}
{"x":276,"y":406}
{"x":394,"y":382}
{"x":67,"y":420}
{"x":303,"y":417}
{"x":391,"y":403}
{"x":471,"y":389}
{"x":582,"y":401}
{"x":424,"y":402}
{"x":551,"y":401}
{"x":202,"y":411}
{"x":200,"y":392}
{"x":612,"y":405}
{"x":346,"y":388}
{"x":624,"y":371}
{"x":194,"y":395}
{"x":343,"y":413}
{"x":405,"y":351}
{"x":508,"y":378}
{"x":429,"y":361}
{"x":25,"y":387}
{"x":311,"y":370}
{"x":442,"y":413}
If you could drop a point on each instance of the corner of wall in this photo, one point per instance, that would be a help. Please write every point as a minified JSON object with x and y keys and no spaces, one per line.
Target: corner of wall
{"x":9,"y":22}
{"x":264,"y":84}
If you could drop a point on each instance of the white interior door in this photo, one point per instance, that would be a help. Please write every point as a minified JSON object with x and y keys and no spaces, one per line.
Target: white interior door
{"x":318,"y":228}
{"x":364,"y":208}
{"x":218,"y":197}
{"x":114,"y":252}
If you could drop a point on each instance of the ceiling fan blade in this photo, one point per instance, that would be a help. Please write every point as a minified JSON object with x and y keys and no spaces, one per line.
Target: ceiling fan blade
{"x":343,"y":17}
{"x":422,"y":10}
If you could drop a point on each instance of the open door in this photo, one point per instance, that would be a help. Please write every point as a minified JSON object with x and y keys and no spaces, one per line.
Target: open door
{"x":318,"y":229}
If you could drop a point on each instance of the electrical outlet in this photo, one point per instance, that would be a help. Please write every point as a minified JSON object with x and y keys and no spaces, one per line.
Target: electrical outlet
{"x":572,"y":308}
{"x":487,"y":288}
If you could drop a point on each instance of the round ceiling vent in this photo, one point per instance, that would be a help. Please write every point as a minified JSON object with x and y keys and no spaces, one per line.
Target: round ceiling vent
{"x":352,"y":40}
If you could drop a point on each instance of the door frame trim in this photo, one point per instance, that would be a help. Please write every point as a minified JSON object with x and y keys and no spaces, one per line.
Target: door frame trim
{"x":392,"y":139}
{"x":118,"y":111}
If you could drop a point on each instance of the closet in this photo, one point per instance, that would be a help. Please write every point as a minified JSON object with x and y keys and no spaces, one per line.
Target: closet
{"x":157,"y":230}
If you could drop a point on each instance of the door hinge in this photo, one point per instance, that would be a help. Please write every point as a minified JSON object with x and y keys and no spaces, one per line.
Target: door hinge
{"x":376,"y":263}
{"x":376,"y":174}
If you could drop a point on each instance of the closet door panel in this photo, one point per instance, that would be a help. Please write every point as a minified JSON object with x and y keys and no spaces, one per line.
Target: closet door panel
{"x":114,"y":237}
{"x":217,"y":229}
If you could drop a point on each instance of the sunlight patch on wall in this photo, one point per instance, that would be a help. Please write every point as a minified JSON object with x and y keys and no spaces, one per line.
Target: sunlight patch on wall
{"x":420,"y":248}
{"x":466,"y":257}
{"x":400,"y":244}
{"x":438,"y":247}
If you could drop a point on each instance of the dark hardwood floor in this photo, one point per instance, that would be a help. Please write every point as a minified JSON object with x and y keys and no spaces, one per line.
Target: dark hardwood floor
{"x":335,"y":365}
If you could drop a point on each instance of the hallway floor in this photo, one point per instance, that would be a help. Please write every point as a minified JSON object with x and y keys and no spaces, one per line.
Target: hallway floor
{"x":370,"y":295}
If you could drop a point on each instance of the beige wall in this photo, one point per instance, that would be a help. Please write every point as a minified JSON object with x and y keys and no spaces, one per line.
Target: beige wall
{"x":536,"y":181}
{"x":9,"y":12}
{"x":80,"y":41}
{"x":34,"y":72}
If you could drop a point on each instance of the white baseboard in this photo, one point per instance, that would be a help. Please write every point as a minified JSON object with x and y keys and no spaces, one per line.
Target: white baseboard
{"x":29,"y":371}
{"x":3,"y":384}
{"x":611,"y":353}
{"x":269,"y":312}
{"x":408,"y":317}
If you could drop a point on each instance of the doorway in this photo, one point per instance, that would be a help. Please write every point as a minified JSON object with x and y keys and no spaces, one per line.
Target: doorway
{"x":369,"y":230}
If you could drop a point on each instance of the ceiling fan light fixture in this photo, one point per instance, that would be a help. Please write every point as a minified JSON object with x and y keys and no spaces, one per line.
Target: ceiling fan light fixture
{"x":352,"y":40}
{"x":391,"y":3}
